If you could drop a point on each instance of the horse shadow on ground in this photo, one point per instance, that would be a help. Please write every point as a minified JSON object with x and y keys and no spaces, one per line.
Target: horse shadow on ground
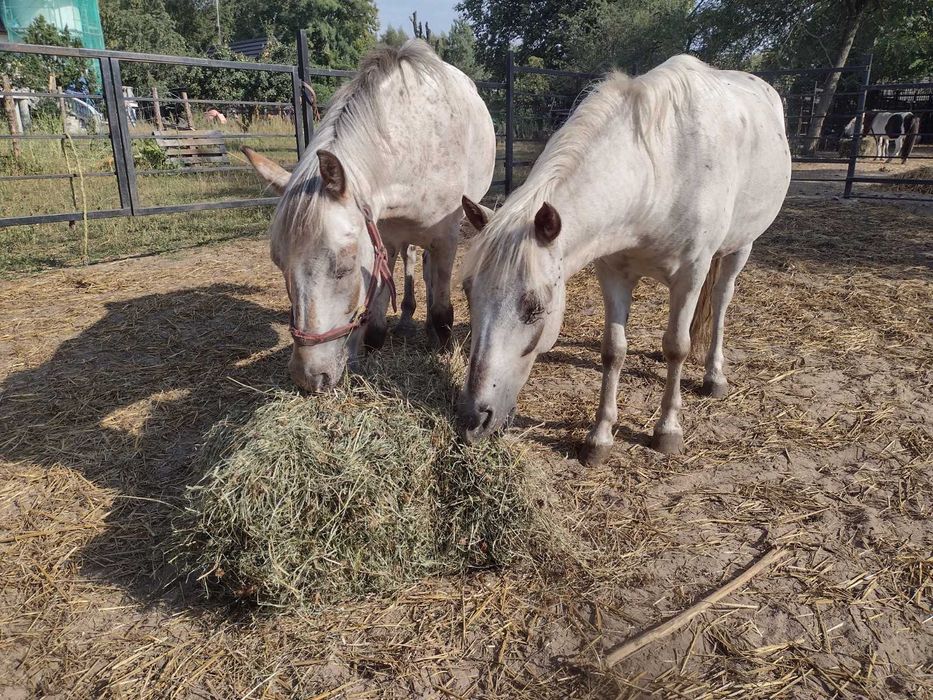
{"x":127,"y":402}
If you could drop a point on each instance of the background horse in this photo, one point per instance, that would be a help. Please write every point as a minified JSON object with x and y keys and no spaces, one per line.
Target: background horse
{"x":672,"y":175}
{"x":900,"y":127}
{"x":388,"y":163}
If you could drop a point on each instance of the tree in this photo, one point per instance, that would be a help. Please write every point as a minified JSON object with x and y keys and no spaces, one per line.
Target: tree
{"x":146,"y":27}
{"x":339,"y":31}
{"x":459,"y":49}
{"x":33,"y":71}
{"x":393,"y":36}
{"x":631,"y":34}
{"x":535,"y":28}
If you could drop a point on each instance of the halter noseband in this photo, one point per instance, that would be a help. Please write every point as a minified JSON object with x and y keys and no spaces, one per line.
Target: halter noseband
{"x":381,"y":274}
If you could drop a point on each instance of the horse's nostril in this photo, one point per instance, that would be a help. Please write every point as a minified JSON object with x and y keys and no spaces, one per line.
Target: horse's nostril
{"x":485,"y":415}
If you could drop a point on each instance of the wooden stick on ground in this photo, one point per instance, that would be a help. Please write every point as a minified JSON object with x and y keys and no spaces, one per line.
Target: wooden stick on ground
{"x":675,"y":623}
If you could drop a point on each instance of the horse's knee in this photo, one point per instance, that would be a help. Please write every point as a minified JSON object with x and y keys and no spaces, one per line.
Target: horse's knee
{"x":676,"y":346}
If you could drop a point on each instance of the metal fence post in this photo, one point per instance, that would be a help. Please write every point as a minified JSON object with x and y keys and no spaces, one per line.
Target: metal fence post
{"x":298,"y":105}
{"x":509,"y":119}
{"x":307,"y":112}
{"x":120,"y":141}
{"x":857,"y":131}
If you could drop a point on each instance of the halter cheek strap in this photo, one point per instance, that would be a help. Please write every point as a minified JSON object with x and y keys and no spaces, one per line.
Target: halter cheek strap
{"x":381,"y":274}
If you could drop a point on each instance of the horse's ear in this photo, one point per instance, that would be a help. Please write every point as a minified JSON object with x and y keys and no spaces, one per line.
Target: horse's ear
{"x":332,"y":173}
{"x":476,"y":214}
{"x":547,"y":224}
{"x":268,"y":170}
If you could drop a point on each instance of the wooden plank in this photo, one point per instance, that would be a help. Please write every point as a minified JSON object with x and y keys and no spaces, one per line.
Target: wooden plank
{"x":193,"y":147}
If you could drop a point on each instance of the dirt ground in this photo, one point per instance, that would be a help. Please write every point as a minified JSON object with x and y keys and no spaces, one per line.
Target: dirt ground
{"x":110,"y":375}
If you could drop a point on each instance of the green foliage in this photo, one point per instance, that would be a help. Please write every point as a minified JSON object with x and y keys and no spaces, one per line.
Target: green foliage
{"x":33,"y":71}
{"x":146,"y":27}
{"x":631,"y":34}
{"x":393,"y":36}
{"x":339,"y":31}
{"x":591,"y":35}
{"x":459,"y":49}
{"x":905,"y":48}
{"x":535,"y":28}
{"x":148,"y":155}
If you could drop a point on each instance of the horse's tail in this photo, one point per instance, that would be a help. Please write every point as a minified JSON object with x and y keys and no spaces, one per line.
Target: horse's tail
{"x":911,"y":131}
{"x":701,"y":325}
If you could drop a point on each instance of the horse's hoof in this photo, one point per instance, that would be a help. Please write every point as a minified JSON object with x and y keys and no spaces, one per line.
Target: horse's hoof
{"x":668,"y":443}
{"x":594,"y":455}
{"x":405,"y":329}
{"x":714,"y":389}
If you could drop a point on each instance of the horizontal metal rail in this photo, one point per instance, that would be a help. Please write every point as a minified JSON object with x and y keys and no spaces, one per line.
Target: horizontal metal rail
{"x":140,"y":211}
{"x":179,"y":100}
{"x":807,"y":71}
{"x":136,"y":57}
{"x":61,"y":95}
{"x":194,"y":135}
{"x":331,"y":72}
{"x":52,"y":176}
{"x":899,"y":86}
{"x":892,"y":197}
{"x":555,"y":73}
{"x":56,"y":137}
{"x":892,"y":180}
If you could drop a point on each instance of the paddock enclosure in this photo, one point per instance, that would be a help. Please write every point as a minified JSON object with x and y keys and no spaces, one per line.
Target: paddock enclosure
{"x":111,"y":375}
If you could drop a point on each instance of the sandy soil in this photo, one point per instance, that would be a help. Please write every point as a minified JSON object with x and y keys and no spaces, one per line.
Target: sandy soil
{"x":110,"y":375}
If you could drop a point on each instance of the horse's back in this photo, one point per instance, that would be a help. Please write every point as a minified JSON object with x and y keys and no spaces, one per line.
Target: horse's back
{"x":439,"y":124}
{"x":739,"y":149}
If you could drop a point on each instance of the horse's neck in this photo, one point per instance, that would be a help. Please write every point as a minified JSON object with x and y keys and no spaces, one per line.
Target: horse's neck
{"x":599,"y":204}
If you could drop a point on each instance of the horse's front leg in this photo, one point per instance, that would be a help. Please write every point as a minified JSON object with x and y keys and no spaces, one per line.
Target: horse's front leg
{"x":377,"y":326}
{"x":684,"y":293}
{"x":714,"y":379}
{"x":438,"y":269}
{"x":406,"y":325}
{"x":617,"y":297}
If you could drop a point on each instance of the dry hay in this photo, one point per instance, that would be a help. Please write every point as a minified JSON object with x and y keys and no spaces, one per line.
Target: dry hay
{"x":112,"y":374}
{"x":923,"y":172}
{"x":359,"y":491}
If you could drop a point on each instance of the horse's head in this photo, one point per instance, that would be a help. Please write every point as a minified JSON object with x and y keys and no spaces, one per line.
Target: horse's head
{"x":514,"y":283}
{"x":319,"y":242}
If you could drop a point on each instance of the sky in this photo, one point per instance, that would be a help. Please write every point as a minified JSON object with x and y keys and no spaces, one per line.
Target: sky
{"x":438,"y":13}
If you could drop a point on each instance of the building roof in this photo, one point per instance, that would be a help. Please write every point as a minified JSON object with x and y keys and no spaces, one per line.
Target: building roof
{"x":250,"y":47}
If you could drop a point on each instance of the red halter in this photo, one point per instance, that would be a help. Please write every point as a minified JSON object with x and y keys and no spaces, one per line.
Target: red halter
{"x":381,"y":274}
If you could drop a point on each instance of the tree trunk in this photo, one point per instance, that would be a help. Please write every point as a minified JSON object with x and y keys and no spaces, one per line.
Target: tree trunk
{"x":815,"y":130}
{"x":9,"y":106}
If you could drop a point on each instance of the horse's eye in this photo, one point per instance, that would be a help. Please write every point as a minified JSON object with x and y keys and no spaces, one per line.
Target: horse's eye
{"x":530,"y":308}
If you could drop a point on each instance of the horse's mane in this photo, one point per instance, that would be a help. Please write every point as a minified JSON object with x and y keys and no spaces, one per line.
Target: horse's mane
{"x":644,"y":106}
{"x":353,"y":127}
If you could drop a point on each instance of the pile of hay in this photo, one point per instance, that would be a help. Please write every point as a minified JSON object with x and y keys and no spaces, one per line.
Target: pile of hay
{"x":923,"y":172}
{"x":309,"y":499}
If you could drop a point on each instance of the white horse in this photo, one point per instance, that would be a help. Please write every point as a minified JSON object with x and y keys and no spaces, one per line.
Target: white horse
{"x":672,"y":175}
{"x":900,"y":127}
{"x":388,"y":165}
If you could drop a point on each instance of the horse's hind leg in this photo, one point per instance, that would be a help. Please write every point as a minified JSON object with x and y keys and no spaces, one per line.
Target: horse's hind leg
{"x":406,"y":325}
{"x":685,"y":291}
{"x":617,"y":296}
{"x":714,"y":380}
